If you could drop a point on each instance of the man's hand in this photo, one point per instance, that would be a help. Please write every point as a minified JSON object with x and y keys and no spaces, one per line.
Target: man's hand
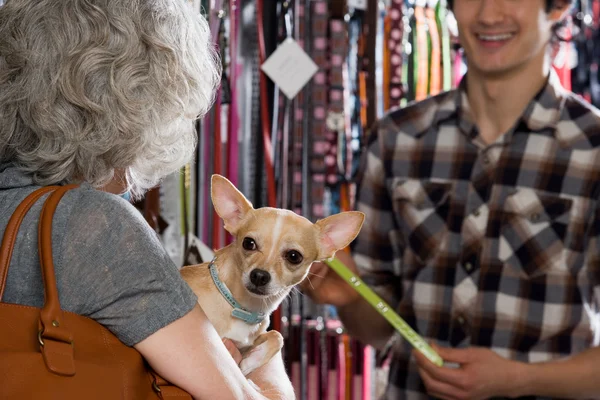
{"x":481,"y":374}
{"x":324,"y":286}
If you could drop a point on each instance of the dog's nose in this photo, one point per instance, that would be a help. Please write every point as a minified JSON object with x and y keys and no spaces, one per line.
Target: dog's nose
{"x":260,"y":277}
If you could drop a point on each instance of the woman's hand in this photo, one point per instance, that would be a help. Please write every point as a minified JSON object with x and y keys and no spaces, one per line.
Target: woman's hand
{"x":233,"y":350}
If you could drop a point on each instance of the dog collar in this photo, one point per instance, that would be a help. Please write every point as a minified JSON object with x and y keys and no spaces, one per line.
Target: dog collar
{"x":238,"y":311}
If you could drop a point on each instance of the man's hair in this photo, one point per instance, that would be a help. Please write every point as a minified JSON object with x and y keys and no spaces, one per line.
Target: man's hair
{"x":87,"y":88}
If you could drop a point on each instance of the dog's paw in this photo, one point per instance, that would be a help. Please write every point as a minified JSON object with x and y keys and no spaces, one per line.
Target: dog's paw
{"x":256,"y":357}
{"x":273,"y":337}
{"x":263,"y":349}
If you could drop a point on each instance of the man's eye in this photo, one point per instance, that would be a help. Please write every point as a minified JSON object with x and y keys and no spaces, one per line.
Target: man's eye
{"x":249,"y":244}
{"x":294,"y":257}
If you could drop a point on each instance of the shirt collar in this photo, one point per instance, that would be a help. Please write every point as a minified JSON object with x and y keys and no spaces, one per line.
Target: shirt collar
{"x":543,"y":112}
{"x":12,"y":177}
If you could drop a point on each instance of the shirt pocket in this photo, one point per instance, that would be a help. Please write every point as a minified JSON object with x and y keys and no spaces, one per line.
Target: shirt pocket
{"x":533,"y":232}
{"x":422,"y":210}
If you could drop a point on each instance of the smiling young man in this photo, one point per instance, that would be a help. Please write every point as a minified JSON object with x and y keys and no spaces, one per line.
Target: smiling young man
{"x":483,"y":222}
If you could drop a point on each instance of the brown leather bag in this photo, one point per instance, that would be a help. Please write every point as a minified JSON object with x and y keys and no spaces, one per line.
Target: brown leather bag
{"x":49,"y":353}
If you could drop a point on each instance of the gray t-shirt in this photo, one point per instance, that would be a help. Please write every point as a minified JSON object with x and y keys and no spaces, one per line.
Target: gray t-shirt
{"x":110,"y":265}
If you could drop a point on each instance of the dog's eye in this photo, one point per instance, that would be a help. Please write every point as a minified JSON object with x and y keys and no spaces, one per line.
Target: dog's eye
{"x":293,"y":257}
{"x":249,"y":244}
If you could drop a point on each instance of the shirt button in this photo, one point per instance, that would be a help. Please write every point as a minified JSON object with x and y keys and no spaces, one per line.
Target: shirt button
{"x":468,"y":266}
{"x":486,"y":159}
{"x":535,"y":217}
{"x":477,"y":212}
{"x":461,"y":320}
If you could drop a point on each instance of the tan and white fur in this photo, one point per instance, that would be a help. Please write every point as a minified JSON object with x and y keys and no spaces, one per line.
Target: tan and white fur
{"x":271,"y":253}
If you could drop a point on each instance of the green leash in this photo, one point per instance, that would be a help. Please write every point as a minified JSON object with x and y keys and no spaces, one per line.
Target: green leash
{"x":386,"y":311}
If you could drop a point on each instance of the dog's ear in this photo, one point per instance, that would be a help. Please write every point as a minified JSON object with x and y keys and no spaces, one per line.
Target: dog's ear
{"x":231,"y":205}
{"x":337,"y":232}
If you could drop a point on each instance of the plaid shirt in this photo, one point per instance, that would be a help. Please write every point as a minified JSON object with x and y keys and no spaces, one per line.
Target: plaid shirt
{"x":485,"y":245}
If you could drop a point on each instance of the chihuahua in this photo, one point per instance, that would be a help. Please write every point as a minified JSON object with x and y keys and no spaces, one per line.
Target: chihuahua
{"x":272,"y":252}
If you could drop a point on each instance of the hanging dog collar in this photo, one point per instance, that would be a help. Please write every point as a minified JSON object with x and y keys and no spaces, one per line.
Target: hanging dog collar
{"x":238,"y":311}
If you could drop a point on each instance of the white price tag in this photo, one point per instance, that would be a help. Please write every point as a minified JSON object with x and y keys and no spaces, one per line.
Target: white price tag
{"x":290,"y":68}
{"x":359,"y":4}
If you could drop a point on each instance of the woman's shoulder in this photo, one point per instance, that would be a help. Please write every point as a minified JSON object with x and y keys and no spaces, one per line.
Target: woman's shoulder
{"x":104,"y":229}
{"x":91,"y":210}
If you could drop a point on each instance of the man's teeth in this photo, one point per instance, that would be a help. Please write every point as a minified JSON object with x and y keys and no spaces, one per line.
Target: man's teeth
{"x":502,"y":36}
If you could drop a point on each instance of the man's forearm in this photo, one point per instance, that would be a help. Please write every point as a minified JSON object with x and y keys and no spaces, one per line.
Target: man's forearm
{"x":363,"y":322}
{"x":576,"y":377}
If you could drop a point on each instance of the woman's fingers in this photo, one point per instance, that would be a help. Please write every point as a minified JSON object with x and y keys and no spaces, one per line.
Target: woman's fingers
{"x":233,"y":350}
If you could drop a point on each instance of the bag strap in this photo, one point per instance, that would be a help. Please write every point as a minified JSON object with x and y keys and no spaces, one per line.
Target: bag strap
{"x":12,"y":228}
{"x":56,"y":340}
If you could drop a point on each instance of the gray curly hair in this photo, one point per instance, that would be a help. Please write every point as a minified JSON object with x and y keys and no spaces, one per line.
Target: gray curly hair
{"x":88,"y":87}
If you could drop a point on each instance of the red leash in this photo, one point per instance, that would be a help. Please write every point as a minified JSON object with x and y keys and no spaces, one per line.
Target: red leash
{"x":264,"y":111}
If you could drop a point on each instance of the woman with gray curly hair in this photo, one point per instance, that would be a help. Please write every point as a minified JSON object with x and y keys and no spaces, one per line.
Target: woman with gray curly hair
{"x":105,"y":93}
